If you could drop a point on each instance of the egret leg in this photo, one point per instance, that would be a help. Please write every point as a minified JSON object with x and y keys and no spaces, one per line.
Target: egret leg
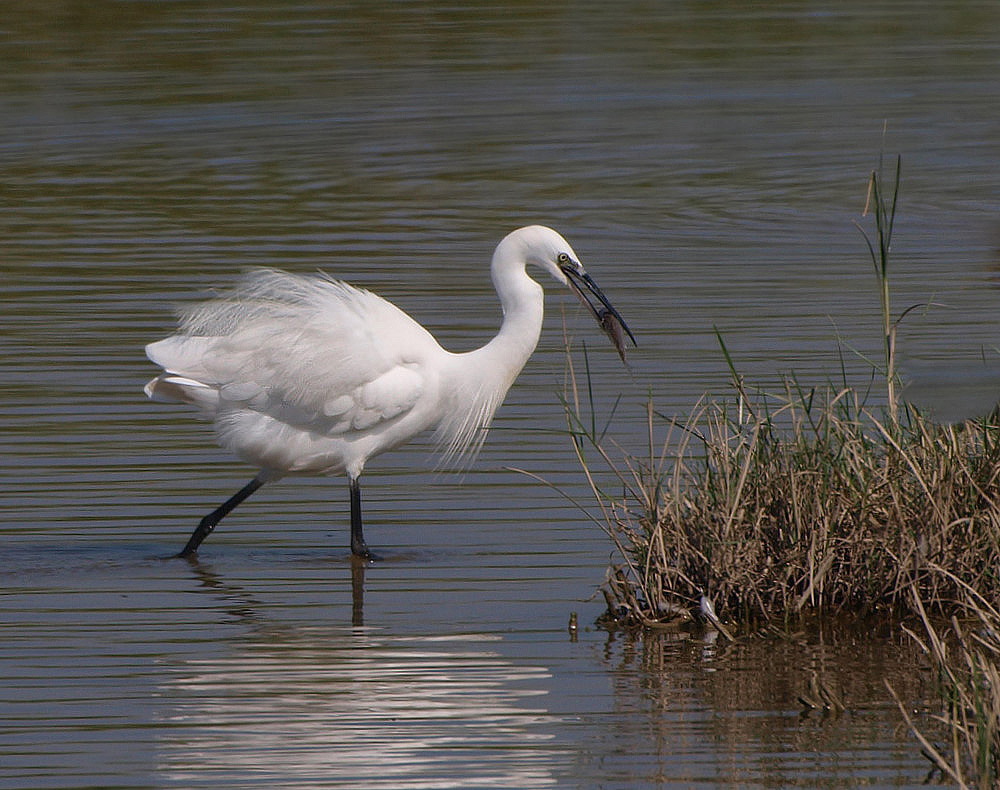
{"x":358,"y":546}
{"x":207,"y":524}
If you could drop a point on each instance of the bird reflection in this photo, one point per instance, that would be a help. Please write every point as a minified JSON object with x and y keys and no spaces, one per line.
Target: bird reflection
{"x":313,"y":705}
{"x":245,"y":607}
{"x":358,"y":566}
{"x":239,"y":603}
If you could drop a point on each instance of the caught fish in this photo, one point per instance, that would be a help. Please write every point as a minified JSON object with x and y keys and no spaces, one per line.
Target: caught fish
{"x":614,"y":329}
{"x":611,"y":322}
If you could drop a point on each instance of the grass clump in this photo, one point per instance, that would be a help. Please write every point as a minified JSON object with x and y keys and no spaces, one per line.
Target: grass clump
{"x":766,"y":505}
{"x":775,"y":505}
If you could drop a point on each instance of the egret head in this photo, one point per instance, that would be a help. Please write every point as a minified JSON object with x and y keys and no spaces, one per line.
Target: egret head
{"x":545,"y":248}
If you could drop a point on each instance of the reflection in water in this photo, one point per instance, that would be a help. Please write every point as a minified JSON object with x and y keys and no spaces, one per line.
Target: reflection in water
{"x":736,"y":714}
{"x":244,"y":607}
{"x":358,"y":566}
{"x":350,"y":708}
{"x":313,"y":706}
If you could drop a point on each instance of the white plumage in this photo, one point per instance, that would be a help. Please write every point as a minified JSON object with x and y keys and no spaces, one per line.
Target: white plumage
{"x":306,"y":374}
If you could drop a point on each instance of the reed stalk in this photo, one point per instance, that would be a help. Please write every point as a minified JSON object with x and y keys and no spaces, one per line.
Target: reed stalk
{"x":884,"y":210}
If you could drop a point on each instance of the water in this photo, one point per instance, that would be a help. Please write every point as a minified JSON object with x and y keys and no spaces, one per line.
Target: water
{"x":706,"y":160}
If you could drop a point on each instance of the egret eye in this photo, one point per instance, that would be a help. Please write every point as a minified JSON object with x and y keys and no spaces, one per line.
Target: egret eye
{"x":563,"y":258}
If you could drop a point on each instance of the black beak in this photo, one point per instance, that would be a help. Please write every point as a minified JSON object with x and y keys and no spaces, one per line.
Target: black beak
{"x":583,"y":285}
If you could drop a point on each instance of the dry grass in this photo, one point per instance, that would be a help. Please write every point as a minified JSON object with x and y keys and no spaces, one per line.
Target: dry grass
{"x":966,"y":657}
{"x":768,"y":505}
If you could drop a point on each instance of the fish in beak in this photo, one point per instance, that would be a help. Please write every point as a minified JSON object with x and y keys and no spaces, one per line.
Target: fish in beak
{"x":610,"y":320}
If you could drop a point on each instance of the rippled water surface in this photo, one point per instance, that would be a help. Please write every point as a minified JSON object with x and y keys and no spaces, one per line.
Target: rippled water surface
{"x":706,"y":160}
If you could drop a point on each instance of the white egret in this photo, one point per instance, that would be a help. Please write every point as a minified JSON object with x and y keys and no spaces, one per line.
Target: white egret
{"x":309,"y":375}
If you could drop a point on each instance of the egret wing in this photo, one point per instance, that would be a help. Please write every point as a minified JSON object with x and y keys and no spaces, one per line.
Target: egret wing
{"x":308,"y":351}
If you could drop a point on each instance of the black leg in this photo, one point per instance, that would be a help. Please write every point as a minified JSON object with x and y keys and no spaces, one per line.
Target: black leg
{"x":207,"y":524}
{"x":358,"y":546}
